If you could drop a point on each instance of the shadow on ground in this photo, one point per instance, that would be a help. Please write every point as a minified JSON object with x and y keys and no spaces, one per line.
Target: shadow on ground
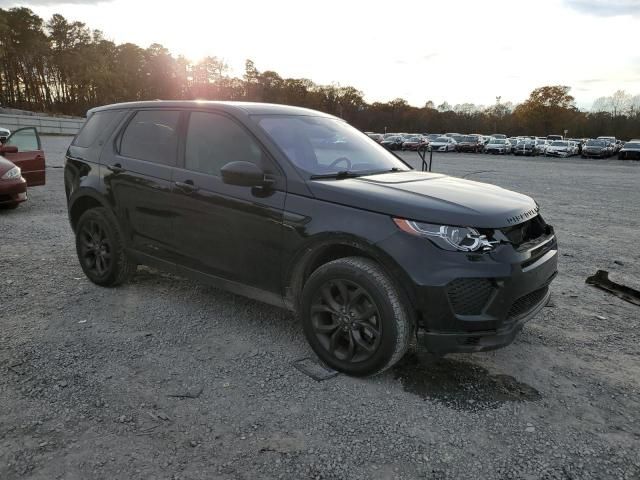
{"x":459,"y":385}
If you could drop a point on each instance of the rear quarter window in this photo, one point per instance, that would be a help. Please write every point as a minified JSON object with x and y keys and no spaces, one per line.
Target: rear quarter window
{"x":152,"y":135}
{"x":94,"y":126}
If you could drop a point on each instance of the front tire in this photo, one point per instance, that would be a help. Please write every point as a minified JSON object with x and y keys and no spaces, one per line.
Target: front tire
{"x":355,"y":317}
{"x":100,"y":248}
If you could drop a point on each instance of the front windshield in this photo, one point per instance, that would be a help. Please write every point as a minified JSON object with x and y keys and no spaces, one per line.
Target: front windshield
{"x":498,"y":141}
{"x":469,"y":139}
{"x":596,"y":143}
{"x":632,"y":145}
{"x":321,"y":145}
{"x":442,"y":140}
{"x":559,"y":144}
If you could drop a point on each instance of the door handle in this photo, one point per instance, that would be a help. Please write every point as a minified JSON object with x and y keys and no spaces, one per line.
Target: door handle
{"x":186,"y":186}
{"x":116,"y":168}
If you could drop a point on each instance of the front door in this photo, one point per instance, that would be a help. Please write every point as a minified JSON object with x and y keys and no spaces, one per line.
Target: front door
{"x":29,"y":157}
{"x":228,"y":231}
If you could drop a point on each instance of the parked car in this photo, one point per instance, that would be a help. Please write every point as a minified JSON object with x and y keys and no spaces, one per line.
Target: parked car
{"x":256,"y":203}
{"x":498,"y":146}
{"x":470,"y":143}
{"x":597,"y":149}
{"x":13,"y":186}
{"x":525,"y":148}
{"x":393,"y":143}
{"x":378,"y":137}
{"x":615,"y":147}
{"x":443,"y":144}
{"x":413,"y":143}
{"x":541,"y":146}
{"x":22,"y":166}
{"x":4,"y":134}
{"x":630,"y":151}
{"x":560,"y":148}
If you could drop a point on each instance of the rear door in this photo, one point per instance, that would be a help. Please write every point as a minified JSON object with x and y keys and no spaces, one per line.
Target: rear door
{"x":137,"y":172}
{"x":29,"y":157}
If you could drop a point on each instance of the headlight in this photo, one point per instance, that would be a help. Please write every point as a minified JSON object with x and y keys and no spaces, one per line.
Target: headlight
{"x":463,"y":239}
{"x":12,"y":174}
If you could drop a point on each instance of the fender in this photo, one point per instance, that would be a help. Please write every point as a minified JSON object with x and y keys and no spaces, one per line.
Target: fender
{"x":336,"y":245}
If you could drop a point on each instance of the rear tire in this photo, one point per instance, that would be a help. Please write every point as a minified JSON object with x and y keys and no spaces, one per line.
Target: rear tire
{"x":354,"y":317}
{"x":101,"y":250}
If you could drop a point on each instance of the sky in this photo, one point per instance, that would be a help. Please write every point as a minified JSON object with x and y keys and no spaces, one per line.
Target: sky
{"x":456,"y":51}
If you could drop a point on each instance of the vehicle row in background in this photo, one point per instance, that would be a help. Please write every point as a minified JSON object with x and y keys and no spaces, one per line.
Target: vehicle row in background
{"x":500,"y":144}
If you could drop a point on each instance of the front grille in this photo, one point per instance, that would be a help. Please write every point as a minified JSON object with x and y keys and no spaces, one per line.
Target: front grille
{"x":468,"y":296}
{"x":527,"y":303}
{"x":526,"y":231}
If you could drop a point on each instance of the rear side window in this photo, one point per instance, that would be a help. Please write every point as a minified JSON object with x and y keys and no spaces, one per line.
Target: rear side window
{"x":93,"y":127}
{"x":214,"y":140}
{"x":152,"y":135}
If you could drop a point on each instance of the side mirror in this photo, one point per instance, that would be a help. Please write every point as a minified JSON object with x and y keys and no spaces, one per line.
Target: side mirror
{"x":244,"y":174}
{"x":8,"y":149}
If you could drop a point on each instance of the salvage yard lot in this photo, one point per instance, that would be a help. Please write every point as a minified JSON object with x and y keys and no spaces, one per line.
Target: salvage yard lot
{"x":167,"y":378}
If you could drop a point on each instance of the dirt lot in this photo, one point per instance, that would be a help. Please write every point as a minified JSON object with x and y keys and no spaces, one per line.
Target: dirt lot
{"x":166,"y":378}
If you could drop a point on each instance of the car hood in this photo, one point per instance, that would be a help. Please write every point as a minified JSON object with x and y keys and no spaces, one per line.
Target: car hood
{"x":5,"y":165}
{"x":429,"y":197}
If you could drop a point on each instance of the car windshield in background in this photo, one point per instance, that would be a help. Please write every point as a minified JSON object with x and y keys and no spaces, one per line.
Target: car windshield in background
{"x":442,"y":140}
{"x":559,"y":144}
{"x":469,"y":139}
{"x":596,"y":143}
{"x":632,"y":145}
{"x":321,"y":146}
{"x":498,"y":141}
{"x":413,"y":139}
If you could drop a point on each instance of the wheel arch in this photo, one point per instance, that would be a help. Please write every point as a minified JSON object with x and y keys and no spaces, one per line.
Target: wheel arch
{"x":84,"y":199}
{"x":324,"y":250}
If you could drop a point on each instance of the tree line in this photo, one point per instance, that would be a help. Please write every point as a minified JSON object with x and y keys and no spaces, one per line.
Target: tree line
{"x":64,"y":67}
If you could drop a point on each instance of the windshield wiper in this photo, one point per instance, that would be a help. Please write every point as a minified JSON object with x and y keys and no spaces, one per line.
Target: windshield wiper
{"x":337,"y":175}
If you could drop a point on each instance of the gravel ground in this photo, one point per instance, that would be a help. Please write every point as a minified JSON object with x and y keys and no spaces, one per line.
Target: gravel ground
{"x":167,"y":378}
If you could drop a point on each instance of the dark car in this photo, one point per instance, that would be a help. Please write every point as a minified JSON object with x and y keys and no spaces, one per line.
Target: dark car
{"x":413,"y":143}
{"x":393,"y":143}
{"x":22,"y":165}
{"x":470,"y":143}
{"x":367,"y":251}
{"x":525,"y":147}
{"x":596,"y":149}
{"x":630,"y":151}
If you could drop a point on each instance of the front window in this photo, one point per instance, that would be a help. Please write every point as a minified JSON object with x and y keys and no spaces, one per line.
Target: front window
{"x":321,"y":145}
{"x":559,"y":144}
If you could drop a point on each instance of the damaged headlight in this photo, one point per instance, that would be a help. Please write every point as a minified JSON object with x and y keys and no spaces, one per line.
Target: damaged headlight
{"x":462,"y":239}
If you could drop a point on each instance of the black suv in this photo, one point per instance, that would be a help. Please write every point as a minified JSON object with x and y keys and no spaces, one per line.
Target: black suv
{"x":296,"y":208}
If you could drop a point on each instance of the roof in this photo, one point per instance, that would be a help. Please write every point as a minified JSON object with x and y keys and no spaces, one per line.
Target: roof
{"x":249,"y":108}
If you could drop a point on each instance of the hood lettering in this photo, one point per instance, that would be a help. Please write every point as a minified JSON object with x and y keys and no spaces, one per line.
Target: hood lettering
{"x":523,"y":216}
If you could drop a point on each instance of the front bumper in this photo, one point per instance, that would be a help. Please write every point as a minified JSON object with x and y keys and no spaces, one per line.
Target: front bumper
{"x":469,"y":302}
{"x":13,"y":191}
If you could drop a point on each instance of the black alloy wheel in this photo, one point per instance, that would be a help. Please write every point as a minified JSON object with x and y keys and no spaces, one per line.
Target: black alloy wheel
{"x":95,"y":248}
{"x":346,"y":321}
{"x":101,"y":248}
{"x":355,"y":317}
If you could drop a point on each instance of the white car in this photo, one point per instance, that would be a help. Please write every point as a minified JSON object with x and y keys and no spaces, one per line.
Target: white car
{"x":541,"y":146}
{"x":443,"y":144}
{"x":4,"y":134}
{"x":560,"y":148}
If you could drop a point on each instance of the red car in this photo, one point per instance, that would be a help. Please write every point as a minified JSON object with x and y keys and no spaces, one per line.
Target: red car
{"x":21,"y":166}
